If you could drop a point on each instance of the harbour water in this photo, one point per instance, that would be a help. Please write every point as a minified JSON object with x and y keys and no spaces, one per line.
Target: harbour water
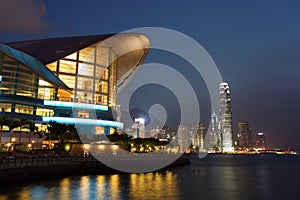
{"x":214,"y":177}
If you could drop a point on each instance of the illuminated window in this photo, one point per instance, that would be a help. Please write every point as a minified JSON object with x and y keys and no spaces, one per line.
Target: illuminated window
{"x":87,"y":54}
{"x":5,"y":107}
{"x":83,"y":114}
{"x":17,"y":78}
{"x":67,"y":66}
{"x":112,"y":83}
{"x":64,"y":95}
{"x":46,"y":93}
{"x":73,"y":56}
{"x":111,"y":130}
{"x":42,"y":127}
{"x":44,"y":83}
{"x":101,"y":99}
{"x":99,"y":130}
{"x":44,"y":112}
{"x":24,"y":109}
{"x":102,"y":56}
{"x":86,"y":69}
{"x":69,"y":80}
{"x":84,"y":83}
{"x":84,"y":97}
{"x":52,"y":66}
{"x":101,"y":73}
{"x":101,"y":86}
{"x":105,"y":75}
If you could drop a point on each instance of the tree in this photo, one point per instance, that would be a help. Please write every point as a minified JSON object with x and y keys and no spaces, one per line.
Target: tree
{"x":3,"y":122}
{"x":61,"y":132}
{"x":22,"y":123}
{"x":70,"y":135}
{"x":121,"y":139}
{"x":33,"y":130}
{"x":12,"y":124}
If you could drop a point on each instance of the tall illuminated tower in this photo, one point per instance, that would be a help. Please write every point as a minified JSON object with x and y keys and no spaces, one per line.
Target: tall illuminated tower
{"x":225,"y":118}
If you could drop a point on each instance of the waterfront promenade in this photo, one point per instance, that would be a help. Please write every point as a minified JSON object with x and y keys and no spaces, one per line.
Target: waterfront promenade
{"x":14,"y":168}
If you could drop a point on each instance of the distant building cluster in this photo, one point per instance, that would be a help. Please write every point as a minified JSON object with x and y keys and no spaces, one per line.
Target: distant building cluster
{"x":220,"y":133}
{"x":220,"y":137}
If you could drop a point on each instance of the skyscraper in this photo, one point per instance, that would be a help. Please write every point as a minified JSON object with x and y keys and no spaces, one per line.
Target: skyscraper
{"x":213,"y":138}
{"x":260,"y":142}
{"x":244,"y":140}
{"x":225,"y":118}
{"x":182,"y":137}
{"x":198,"y":140}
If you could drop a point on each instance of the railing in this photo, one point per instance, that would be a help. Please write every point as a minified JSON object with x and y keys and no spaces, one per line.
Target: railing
{"x":18,"y":163}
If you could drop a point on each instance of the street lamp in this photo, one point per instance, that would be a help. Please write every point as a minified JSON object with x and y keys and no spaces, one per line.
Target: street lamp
{"x":32,"y":143}
{"x":8,"y":146}
{"x":29,"y":146}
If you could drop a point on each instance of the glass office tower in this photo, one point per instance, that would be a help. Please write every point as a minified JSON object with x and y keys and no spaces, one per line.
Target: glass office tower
{"x":225,"y":118}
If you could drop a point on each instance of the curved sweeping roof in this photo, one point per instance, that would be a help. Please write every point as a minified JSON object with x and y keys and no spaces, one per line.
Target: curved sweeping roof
{"x":130,"y":48}
{"x":32,"y":63}
{"x":52,"y":49}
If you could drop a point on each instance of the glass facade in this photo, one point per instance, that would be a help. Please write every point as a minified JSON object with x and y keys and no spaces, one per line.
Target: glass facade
{"x":225,"y":118}
{"x":24,"y":109}
{"x":40,"y":89}
{"x":5,"y":107}
{"x":89,"y":72}
{"x":44,"y":112}
{"x":17,"y":79}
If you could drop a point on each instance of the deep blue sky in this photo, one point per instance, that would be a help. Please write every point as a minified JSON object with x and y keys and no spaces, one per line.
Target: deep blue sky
{"x":255,"y":45}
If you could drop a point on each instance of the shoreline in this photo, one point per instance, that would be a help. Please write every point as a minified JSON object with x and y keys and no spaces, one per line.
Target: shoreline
{"x":69,"y":167}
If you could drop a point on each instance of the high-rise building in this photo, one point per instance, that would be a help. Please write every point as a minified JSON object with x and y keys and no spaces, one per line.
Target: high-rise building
{"x":213,"y":138}
{"x":198,"y":140}
{"x":182,"y":137}
{"x":244,"y":138}
{"x":260,"y":142}
{"x":225,"y":118}
{"x":140,"y":127}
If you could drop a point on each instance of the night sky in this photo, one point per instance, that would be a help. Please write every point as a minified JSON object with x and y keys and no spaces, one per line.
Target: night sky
{"x":255,"y":45}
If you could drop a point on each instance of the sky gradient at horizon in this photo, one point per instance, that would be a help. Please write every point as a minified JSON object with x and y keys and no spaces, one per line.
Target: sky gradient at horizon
{"x":255,"y":45}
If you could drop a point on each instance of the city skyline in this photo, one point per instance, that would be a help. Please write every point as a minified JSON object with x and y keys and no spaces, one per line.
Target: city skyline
{"x":254,"y":45}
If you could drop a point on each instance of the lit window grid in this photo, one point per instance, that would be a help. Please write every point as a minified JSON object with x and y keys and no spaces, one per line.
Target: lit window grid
{"x":87,"y":86}
{"x":24,"y":109}
{"x":44,"y":112}
{"x":5,"y":107}
{"x":17,"y":79}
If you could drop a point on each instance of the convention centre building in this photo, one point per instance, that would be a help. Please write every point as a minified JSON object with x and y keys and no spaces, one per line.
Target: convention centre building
{"x":68,"y":80}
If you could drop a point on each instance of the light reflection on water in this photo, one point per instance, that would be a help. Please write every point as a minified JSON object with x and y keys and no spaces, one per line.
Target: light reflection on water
{"x":153,"y":186}
{"x":216,"y":177}
{"x":125,"y":186}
